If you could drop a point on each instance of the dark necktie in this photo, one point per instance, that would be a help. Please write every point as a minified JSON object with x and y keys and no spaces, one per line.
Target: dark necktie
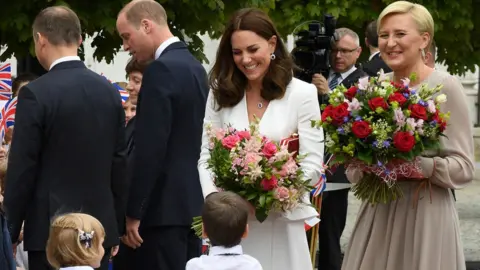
{"x":334,"y":82}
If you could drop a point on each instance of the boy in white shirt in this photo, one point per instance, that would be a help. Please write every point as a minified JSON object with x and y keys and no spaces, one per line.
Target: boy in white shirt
{"x":225,"y":216}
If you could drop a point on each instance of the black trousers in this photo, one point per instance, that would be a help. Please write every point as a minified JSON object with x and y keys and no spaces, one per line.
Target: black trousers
{"x":163,"y":248}
{"x":37,"y":260}
{"x":333,"y":218}
{"x":125,"y":259}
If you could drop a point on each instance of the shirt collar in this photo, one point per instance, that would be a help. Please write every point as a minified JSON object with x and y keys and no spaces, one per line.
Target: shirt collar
{"x":77,"y":268}
{"x":164,"y":45}
{"x":219,"y":250}
{"x":344,"y":74}
{"x":373,"y":55}
{"x":64,"y":59}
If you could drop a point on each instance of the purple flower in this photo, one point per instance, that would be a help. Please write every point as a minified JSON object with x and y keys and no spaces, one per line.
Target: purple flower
{"x":433,"y":123}
{"x":406,"y":95}
{"x":386,"y":144}
{"x":358,"y":118}
{"x":423,"y":103}
{"x":375,"y":144}
{"x":413,"y":92}
{"x":341,"y":131}
{"x":379,"y":164}
{"x":345,"y":119}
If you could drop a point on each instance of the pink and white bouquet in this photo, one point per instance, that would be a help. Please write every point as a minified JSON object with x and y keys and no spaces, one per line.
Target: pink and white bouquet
{"x":264,"y":172}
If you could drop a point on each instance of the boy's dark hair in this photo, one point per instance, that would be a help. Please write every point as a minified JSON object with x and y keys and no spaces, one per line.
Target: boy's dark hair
{"x":225,"y":216}
{"x":134,"y":66}
{"x":371,"y":34}
{"x":21,"y":78}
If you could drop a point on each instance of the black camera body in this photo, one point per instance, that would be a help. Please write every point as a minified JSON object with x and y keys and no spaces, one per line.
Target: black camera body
{"x":313,"y":48}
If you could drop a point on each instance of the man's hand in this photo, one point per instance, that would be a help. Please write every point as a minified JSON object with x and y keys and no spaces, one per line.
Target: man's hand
{"x":321,"y":83}
{"x":114,"y":251}
{"x":132,"y":239}
{"x":14,"y":246}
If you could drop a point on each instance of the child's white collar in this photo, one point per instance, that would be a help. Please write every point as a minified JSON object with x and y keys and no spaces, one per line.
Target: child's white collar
{"x":77,"y":268}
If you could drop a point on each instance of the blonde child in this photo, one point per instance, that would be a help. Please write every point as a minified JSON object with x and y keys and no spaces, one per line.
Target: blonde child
{"x":75,"y":242}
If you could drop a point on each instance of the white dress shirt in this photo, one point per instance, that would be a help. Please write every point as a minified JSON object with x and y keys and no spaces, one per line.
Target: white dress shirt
{"x":164,"y":45}
{"x":373,"y":55}
{"x":221,"y":258}
{"x":64,"y":59}
{"x":77,"y":268}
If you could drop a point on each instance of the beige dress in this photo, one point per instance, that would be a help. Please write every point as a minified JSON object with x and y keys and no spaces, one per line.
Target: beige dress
{"x":397,"y":236}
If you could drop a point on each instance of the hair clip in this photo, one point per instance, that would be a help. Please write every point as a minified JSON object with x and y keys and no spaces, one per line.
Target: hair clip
{"x":85,"y":238}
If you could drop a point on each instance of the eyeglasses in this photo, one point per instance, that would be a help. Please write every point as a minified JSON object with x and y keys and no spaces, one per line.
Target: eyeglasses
{"x":343,"y":51}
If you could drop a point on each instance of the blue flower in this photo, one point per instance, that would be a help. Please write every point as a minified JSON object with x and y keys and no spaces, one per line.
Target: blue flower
{"x":413,"y":92}
{"x":345,"y":119}
{"x":375,"y":144}
{"x":341,"y":131}
{"x":423,"y":103}
{"x":379,"y":164}
{"x":386,"y":144}
{"x":406,"y":95}
{"x":358,"y":118}
{"x":433,"y":123}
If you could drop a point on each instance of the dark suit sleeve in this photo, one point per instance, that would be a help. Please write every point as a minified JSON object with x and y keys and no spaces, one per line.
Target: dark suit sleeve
{"x":23,"y":160}
{"x":119,"y":173}
{"x":152,"y":132}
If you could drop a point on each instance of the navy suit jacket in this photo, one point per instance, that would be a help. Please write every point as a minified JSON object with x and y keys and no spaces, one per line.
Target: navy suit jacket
{"x":165,"y":188}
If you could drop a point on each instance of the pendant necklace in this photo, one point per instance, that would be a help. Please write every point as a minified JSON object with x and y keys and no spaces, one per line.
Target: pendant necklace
{"x":260,"y":104}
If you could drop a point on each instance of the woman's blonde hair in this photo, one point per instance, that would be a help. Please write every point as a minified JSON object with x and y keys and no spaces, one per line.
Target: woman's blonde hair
{"x":419,"y":13}
{"x":66,"y":248}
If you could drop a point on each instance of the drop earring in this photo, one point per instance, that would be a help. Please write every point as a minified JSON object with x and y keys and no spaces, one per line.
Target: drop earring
{"x":272,"y":56}
{"x":422,"y":51}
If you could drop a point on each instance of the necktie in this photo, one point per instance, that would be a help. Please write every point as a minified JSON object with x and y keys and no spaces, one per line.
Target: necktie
{"x":334,"y":82}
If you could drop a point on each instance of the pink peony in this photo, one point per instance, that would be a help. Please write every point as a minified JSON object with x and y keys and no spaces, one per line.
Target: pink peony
{"x":281,"y":193}
{"x":269,"y":149}
{"x":230,"y":141}
{"x":269,"y":184}
{"x":244,"y":135}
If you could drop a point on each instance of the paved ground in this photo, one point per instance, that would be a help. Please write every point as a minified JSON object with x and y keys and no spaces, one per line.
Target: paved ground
{"x":468,"y":206}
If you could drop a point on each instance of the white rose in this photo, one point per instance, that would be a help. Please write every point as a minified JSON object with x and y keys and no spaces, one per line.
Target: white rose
{"x":441,"y":98}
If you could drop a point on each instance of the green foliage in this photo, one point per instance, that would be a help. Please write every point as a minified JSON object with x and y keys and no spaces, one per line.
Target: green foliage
{"x":456,"y":27}
{"x":188,"y":20}
{"x":455,"y":24}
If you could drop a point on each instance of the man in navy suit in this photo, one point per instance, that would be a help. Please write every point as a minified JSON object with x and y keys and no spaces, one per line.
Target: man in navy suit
{"x":68,"y":152}
{"x":165,"y":192}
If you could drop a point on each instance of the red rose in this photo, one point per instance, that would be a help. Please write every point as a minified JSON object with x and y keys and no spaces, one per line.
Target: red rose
{"x":269,"y":149}
{"x":339,"y":113}
{"x":403,"y":141}
{"x":418,"y":111}
{"x":327,"y":112}
{"x":351,"y":92}
{"x":269,"y":184}
{"x":230,"y":141}
{"x":244,"y":134}
{"x":442,"y":124}
{"x":377,"y":102}
{"x":398,"y":97}
{"x":361,"y":129}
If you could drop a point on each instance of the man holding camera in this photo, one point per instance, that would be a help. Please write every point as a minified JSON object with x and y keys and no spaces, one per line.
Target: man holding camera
{"x":343,"y":57}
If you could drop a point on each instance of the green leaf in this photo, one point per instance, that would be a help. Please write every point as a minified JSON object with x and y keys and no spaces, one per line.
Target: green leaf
{"x":262,"y":200}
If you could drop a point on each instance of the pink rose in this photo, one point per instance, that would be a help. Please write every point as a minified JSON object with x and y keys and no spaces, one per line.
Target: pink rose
{"x":269,"y":184}
{"x":244,"y":135}
{"x":269,"y":149}
{"x":230,"y":141}
{"x":281,"y":193}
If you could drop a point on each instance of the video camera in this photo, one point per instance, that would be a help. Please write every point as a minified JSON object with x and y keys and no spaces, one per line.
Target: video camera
{"x":313,"y":46}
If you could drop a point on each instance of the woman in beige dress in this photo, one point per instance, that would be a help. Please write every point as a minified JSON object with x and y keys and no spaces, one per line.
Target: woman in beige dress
{"x":424,"y":236}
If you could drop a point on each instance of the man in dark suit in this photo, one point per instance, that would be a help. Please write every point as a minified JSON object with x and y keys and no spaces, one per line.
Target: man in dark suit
{"x":68,"y":149}
{"x":375,"y":61}
{"x":333,"y":214}
{"x":165,"y":191}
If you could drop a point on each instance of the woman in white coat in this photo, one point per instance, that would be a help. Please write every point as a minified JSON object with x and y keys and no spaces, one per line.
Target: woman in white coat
{"x":252,"y":76}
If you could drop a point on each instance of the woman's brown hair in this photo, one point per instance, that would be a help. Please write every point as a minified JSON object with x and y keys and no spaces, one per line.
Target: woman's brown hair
{"x":227,"y":82}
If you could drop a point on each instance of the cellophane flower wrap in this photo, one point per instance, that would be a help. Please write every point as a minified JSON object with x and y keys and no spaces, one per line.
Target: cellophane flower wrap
{"x":381,"y":127}
{"x":263,"y":172}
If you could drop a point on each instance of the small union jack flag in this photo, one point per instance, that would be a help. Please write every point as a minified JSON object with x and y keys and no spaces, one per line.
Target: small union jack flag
{"x":5,"y":81}
{"x":7,"y":116}
{"x":124,"y":94}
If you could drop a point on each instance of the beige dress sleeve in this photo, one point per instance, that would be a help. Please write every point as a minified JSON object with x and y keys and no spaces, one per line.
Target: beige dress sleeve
{"x":453,"y":165}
